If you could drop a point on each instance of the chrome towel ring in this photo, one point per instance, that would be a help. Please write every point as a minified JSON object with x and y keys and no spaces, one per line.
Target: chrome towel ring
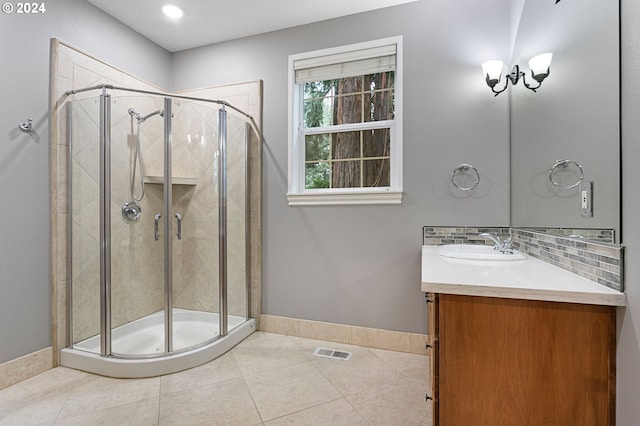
{"x":464,"y":168}
{"x":563,"y":164}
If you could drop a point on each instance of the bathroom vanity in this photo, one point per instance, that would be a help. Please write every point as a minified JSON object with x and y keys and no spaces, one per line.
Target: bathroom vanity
{"x":519,"y":342}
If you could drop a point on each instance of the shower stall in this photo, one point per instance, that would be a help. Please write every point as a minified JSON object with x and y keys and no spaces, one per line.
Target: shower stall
{"x":159,"y":244}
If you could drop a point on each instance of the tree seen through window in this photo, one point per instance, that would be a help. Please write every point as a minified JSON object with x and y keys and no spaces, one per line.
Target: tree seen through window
{"x":337,"y":156}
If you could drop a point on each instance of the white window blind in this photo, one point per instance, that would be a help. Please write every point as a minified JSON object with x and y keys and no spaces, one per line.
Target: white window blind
{"x":349,"y":64}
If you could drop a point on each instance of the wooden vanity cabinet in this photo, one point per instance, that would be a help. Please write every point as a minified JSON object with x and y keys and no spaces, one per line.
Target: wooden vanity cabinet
{"x":433,"y":352}
{"x":498,"y":361}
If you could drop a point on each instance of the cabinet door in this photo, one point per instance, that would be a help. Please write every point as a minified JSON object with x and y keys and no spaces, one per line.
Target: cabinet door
{"x":432,"y":351}
{"x":517,"y":362}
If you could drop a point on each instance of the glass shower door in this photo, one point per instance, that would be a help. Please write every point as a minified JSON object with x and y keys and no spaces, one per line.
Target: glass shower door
{"x":83,"y":128}
{"x":137,"y":276}
{"x":238,"y":134}
{"x":195,"y":218}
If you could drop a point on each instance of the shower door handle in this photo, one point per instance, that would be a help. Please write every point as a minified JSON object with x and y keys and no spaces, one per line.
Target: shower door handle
{"x":156,"y":233}
{"x":179,"y":233}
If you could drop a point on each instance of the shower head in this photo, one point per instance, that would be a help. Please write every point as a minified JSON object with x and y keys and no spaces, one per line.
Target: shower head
{"x":140,"y":118}
{"x":158,"y":112}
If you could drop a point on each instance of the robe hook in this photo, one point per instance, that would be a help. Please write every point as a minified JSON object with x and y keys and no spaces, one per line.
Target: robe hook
{"x":26,"y":126}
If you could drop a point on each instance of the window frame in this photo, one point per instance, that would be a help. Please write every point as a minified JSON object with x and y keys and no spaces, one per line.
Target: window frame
{"x":297,"y":193}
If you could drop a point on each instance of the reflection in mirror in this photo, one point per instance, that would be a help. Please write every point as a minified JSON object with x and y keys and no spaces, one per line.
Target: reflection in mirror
{"x":565,"y":138}
{"x":595,"y":235}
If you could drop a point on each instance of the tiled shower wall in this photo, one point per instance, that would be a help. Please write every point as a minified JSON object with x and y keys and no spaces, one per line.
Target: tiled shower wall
{"x":137,"y":259}
{"x":601,"y":263}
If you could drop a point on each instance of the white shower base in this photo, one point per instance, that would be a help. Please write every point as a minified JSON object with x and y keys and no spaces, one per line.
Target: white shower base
{"x":145,"y":337}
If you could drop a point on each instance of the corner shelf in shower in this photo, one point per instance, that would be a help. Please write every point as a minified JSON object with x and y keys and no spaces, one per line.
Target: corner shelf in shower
{"x":175,"y":180}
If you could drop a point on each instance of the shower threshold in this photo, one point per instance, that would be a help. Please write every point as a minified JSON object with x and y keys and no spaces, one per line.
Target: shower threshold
{"x":145,"y":337}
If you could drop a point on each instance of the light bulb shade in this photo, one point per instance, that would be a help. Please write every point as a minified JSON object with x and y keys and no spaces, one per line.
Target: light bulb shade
{"x":539,"y":65}
{"x":492,"y":70}
{"x":173,"y":12}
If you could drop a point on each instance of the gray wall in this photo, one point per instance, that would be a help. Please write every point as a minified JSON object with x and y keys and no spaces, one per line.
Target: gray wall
{"x":25,"y":314}
{"x":360,"y":265}
{"x":628,"y":392}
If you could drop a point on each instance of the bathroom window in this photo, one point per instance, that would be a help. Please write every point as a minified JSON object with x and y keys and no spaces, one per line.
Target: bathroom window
{"x":345,"y":120}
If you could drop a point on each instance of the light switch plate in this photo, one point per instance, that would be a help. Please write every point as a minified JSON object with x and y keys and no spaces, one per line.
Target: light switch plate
{"x":586,"y":199}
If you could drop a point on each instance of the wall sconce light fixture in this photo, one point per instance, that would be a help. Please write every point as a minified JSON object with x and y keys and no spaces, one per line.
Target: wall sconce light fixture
{"x":539,"y":66}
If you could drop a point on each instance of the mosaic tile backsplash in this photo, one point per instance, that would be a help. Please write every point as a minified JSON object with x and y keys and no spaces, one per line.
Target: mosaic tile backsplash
{"x":597,"y":262}
{"x":596,"y":235}
{"x":438,"y":235}
{"x":601,"y":263}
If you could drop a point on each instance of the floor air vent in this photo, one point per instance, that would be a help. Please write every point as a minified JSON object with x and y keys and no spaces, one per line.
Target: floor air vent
{"x":330,"y":353}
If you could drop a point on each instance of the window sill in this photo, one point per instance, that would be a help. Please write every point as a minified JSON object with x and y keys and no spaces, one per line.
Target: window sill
{"x":350,"y":198}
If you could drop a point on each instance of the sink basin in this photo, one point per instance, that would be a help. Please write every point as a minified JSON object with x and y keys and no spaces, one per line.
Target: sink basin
{"x":477,"y":252}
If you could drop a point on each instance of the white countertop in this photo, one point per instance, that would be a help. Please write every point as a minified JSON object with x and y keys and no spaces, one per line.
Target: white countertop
{"x":530,"y":279}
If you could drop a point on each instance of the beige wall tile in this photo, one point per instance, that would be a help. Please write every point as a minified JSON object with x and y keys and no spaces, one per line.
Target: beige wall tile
{"x":325,"y":331}
{"x":341,"y":333}
{"x":382,"y":339}
{"x":280,"y":325}
{"x":27,"y":366}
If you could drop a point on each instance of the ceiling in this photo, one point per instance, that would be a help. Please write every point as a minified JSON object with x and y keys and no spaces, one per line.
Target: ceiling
{"x":212,"y":21}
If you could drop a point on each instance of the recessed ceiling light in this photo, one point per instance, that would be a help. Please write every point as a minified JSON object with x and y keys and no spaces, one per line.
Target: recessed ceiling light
{"x":173,"y":12}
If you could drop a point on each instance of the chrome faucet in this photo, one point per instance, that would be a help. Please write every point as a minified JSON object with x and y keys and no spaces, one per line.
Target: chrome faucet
{"x":501,"y":246}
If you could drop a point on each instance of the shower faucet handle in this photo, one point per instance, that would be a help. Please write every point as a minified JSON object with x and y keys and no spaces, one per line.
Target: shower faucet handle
{"x":156,"y":233}
{"x":179,"y":233}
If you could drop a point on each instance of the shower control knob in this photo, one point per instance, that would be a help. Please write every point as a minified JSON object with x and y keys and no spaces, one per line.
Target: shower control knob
{"x":131,"y":211}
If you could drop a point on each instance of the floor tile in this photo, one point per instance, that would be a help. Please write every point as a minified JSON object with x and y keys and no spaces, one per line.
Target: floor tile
{"x":266,"y":351}
{"x":285,"y":390}
{"x":365,"y":370}
{"x":219,"y":370}
{"x":34,"y":411}
{"x":267,"y":378}
{"x":394,"y":403}
{"x":335,"y":413}
{"x":39,"y":399}
{"x":139,"y":413}
{"x":411,"y":365}
{"x":224,"y":403}
{"x":105,"y":392}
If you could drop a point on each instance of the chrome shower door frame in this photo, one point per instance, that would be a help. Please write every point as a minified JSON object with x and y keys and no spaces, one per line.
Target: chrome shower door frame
{"x":105,"y":224}
{"x":222,"y":219}
{"x":168,"y":241}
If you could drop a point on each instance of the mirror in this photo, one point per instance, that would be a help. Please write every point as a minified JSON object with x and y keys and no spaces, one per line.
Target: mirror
{"x":573,"y":116}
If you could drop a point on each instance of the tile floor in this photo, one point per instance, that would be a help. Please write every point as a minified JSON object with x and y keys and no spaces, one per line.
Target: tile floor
{"x":268,"y":379}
